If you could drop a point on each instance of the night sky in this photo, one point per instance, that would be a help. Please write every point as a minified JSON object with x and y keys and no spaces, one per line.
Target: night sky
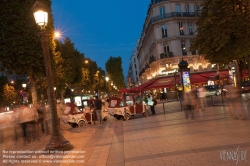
{"x":100,"y":28}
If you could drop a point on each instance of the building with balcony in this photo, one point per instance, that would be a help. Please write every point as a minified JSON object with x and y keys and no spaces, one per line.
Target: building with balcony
{"x":133,"y":71}
{"x":166,"y":36}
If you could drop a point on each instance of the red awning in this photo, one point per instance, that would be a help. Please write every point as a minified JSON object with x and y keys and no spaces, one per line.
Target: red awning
{"x":244,"y":73}
{"x":204,"y":77}
{"x":196,"y":78}
{"x":125,"y":90}
{"x":163,"y":83}
{"x":142,"y":86}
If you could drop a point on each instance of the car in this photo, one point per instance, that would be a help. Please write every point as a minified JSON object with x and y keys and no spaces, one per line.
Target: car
{"x":213,"y":90}
{"x":245,"y":86}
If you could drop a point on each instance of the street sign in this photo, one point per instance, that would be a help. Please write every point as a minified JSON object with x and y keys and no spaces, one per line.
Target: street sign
{"x":24,"y":94}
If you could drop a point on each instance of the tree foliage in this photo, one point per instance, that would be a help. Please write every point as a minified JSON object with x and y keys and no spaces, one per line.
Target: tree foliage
{"x":3,"y":82}
{"x":115,"y":71}
{"x":20,"y":47}
{"x":70,"y":62}
{"x":223,"y":30}
{"x":10,"y":95}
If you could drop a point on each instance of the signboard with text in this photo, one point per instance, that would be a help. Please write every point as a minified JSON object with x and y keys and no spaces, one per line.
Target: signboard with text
{"x":186,"y":81}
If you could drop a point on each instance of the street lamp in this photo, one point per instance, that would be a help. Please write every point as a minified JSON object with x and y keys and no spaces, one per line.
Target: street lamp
{"x":24,"y":85}
{"x":107,"y":80}
{"x":57,"y":141}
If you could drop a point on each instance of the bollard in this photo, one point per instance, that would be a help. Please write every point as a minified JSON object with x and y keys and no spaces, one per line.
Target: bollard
{"x":47,"y":127}
{"x":125,"y":116}
{"x":164,"y":108}
{"x":94,"y":114}
{"x":222,"y":96}
{"x":16,"y":138}
{"x":181,"y":104}
{"x":146,"y":111}
{"x":212,"y":100}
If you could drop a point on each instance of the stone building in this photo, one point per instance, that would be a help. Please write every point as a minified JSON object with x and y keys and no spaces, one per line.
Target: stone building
{"x":166,"y":36}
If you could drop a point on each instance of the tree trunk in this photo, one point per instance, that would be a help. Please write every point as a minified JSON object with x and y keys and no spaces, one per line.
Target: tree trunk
{"x":33,"y":89}
{"x":237,"y":71}
{"x":248,"y":66}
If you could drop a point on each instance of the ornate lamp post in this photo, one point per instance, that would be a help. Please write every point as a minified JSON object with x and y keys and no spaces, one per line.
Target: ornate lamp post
{"x":57,"y":141}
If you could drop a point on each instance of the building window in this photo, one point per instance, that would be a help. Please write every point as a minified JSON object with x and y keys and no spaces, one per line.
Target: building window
{"x":178,"y":10}
{"x":195,"y":8}
{"x":181,"y":28}
{"x":164,"y":31}
{"x":193,"y":51}
{"x":187,"y":8}
{"x":162,"y":12}
{"x":135,"y":66}
{"x":183,"y":48}
{"x":190,"y":28}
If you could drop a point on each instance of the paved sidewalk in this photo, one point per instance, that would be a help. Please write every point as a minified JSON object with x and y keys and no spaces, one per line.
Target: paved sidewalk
{"x":163,"y":139}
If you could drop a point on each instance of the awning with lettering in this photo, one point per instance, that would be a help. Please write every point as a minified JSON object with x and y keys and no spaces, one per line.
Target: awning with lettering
{"x":204,"y":77}
{"x":163,"y":83}
{"x":142,"y":86}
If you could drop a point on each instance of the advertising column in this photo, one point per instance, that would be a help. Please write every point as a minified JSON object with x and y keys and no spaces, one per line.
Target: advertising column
{"x":186,"y":81}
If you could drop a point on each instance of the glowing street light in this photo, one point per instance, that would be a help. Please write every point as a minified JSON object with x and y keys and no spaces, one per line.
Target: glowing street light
{"x":24,"y":85}
{"x":57,"y":34}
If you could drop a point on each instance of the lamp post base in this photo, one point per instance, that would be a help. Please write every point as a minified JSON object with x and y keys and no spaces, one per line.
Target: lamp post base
{"x":58,"y":142}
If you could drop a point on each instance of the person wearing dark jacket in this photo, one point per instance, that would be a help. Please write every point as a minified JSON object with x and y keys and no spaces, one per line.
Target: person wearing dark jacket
{"x":98,"y":108}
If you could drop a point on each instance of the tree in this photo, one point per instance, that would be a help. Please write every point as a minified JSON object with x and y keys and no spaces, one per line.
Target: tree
{"x":223,"y":31}
{"x":68,"y":64}
{"x":3,"y":82}
{"x":10,"y":95}
{"x":20,"y":47}
{"x":115,"y":71}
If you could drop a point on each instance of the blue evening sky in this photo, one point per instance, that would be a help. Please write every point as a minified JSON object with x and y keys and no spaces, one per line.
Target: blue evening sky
{"x":101,"y":28}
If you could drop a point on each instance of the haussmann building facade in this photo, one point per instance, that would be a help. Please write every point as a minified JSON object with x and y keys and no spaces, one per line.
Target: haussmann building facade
{"x":167,"y":34}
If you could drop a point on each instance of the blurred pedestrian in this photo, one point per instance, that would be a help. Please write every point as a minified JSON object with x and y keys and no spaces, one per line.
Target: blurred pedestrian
{"x":151,"y":103}
{"x":145,"y":99}
{"x":233,"y":98}
{"x":27,"y":116}
{"x":98,"y":108}
{"x":190,"y":102}
{"x":41,"y":118}
{"x":201,"y":93}
{"x":7,"y":128}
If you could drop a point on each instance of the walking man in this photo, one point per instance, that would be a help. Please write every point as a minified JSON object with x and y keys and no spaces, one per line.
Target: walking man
{"x":98,"y":108}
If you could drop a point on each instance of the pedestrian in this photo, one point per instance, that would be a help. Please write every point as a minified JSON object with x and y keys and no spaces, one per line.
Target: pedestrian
{"x":41,"y":118}
{"x":201,"y":93}
{"x":27,"y":116}
{"x":7,"y":128}
{"x":145,"y":99}
{"x":98,"y":108}
{"x":233,"y":98}
{"x":190,"y":101}
{"x":151,"y":103}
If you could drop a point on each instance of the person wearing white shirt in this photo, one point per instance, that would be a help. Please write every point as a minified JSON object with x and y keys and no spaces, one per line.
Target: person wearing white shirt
{"x":151,"y":104}
{"x":201,"y":93}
